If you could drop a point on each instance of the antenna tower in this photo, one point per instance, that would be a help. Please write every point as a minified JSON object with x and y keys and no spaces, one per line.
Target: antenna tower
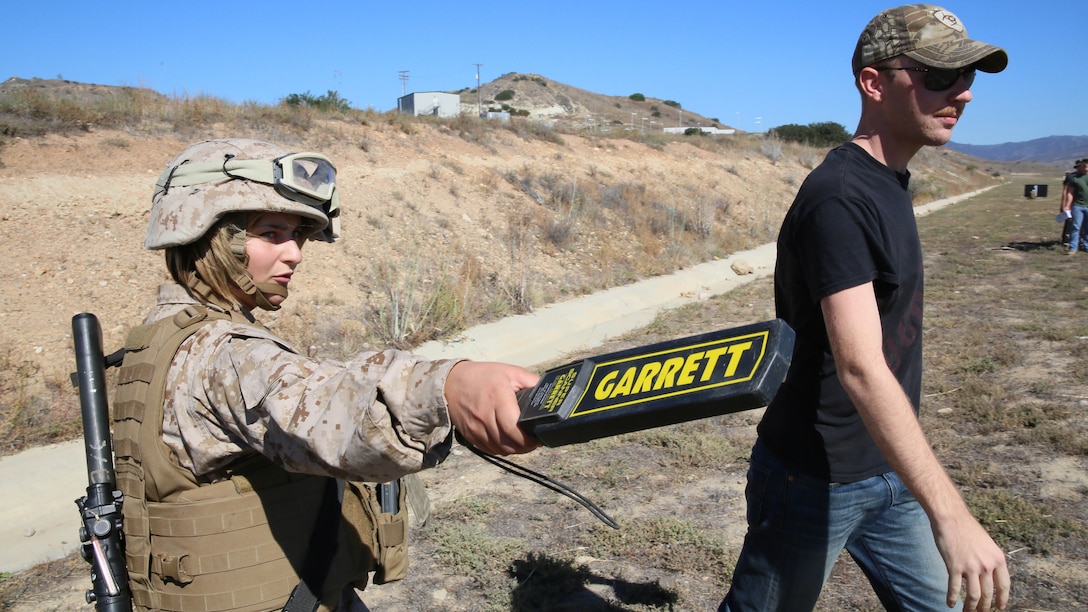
{"x":479,"y":96}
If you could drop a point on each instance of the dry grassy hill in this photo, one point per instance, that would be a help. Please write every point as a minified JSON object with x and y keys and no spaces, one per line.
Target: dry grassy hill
{"x":453,"y":222}
{"x":476,"y":220}
{"x":576,"y":109}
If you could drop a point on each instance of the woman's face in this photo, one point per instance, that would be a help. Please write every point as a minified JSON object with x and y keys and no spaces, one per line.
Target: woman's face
{"x":274,"y":249}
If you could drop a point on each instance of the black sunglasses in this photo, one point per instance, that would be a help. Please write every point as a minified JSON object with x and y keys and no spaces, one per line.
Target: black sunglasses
{"x":939,"y":79}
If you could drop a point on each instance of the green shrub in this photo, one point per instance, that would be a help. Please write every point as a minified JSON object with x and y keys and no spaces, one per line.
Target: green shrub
{"x":637,"y":97}
{"x":823,"y":134}
{"x":330,"y":102}
{"x":506,"y":94}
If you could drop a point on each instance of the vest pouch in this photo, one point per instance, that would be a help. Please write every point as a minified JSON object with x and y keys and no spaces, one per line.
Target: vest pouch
{"x":234,"y":545}
{"x":234,"y":552}
{"x":389,"y":532}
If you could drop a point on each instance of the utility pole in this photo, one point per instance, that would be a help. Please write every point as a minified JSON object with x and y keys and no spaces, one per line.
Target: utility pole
{"x":403,"y":82}
{"x":479,"y":96}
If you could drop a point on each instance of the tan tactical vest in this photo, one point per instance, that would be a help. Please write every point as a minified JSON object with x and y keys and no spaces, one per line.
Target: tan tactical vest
{"x":240,"y":543}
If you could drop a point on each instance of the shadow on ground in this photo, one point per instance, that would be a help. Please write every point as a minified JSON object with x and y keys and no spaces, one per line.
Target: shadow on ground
{"x":543,"y":581}
{"x":1048,"y":245}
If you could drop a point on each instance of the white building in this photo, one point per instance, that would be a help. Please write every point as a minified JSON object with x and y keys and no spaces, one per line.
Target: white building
{"x":430,"y":103}
{"x":706,"y":130}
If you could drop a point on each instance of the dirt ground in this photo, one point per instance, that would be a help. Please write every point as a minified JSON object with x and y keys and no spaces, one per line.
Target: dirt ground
{"x":73,"y":210}
{"x":1004,"y":410}
{"x":497,"y":542}
{"x":72,"y":215}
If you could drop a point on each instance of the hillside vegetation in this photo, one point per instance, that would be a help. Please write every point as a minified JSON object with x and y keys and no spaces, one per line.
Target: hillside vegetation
{"x":1003,"y":406}
{"x":447,"y":223}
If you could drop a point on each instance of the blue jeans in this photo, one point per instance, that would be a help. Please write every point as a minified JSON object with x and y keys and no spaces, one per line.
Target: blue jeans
{"x":1078,"y":235}
{"x":798,"y":525}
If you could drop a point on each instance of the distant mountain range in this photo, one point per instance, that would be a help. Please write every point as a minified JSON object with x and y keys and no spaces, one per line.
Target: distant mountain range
{"x":1059,"y":150}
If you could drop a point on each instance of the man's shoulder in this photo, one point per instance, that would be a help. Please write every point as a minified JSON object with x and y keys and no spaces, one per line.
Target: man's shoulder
{"x":833,"y":178}
{"x":838,"y":167}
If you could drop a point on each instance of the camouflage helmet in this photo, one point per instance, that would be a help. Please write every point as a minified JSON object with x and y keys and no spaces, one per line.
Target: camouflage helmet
{"x":213,"y":178}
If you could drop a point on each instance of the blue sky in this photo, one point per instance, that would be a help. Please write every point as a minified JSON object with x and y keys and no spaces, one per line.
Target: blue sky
{"x":753,"y":65}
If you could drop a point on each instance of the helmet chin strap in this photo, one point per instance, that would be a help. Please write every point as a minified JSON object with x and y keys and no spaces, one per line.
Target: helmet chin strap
{"x":259,"y":291}
{"x":244,"y":280}
{"x":203,"y":291}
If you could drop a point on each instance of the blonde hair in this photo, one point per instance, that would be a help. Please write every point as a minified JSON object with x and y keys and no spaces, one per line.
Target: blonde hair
{"x":209,"y":266}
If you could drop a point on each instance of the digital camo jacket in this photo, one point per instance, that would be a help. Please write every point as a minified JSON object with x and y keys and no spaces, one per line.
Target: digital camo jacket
{"x":235,"y":388}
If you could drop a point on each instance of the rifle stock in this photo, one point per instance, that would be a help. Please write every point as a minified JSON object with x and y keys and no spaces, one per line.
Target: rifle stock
{"x":100,"y":509}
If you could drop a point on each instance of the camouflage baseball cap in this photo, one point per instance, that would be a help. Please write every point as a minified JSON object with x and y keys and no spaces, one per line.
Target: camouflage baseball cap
{"x":928,"y":34}
{"x":201,"y":185}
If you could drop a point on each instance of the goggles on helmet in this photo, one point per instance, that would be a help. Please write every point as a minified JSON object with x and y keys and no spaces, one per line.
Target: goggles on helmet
{"x":308,"y":178}
{"x":306,"y":174}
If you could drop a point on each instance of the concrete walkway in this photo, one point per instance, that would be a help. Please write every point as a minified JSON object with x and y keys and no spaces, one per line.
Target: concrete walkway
{"x":39,"y":520}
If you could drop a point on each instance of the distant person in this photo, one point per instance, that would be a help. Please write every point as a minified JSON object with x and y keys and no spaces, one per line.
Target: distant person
{"x":1065,"y":216}
{"x":1075,"y":204}
{"x":247,"y":467}
{"x":841,"y":461}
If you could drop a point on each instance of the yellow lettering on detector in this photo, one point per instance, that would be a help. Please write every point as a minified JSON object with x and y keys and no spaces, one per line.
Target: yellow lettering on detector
{"x":676,"y":371}
{"x":559,"y":390}
{"x":623,"y":387}
{"x":687,"y":374}
{"x":712,"y":361}
{"x":646,"y":377}
{"x":604,"y":388}
{"x":668,"y":373}
{"x":735,"y":353}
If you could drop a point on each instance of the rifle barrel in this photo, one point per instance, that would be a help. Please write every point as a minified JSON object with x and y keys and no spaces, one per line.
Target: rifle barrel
{"x":91,"y":370}
{"x":101,"y":534}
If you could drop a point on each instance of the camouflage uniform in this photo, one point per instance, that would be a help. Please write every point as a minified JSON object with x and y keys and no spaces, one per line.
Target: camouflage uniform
{"x":234,"y":390}
{"x":225,"y":503}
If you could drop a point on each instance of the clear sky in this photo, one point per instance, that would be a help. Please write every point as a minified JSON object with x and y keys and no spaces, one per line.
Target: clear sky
{"x":752,"y":65}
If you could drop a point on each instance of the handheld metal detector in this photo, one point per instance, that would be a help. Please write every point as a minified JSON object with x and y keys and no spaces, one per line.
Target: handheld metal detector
{"x":660,"y":384}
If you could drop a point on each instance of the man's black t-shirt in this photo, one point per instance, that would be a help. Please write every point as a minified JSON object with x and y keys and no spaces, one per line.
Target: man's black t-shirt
{"x":851,"y":223}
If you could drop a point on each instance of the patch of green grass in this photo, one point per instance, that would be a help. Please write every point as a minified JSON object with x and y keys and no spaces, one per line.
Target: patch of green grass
{"x":1057,"y":434}
{"x":672,"y":543}
{"x":467,"y":508}
{"x":1041,"y":387}
{"x":1013,"y":521}
{"x":982,"y":402}
{"x":467,"y":549}
{"x":688,"y":445}
{"x":979,"y":365}
{"x":471,"y":551}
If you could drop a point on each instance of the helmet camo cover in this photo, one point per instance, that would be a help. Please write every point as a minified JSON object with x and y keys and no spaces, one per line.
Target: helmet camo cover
{"x":181,"y":214}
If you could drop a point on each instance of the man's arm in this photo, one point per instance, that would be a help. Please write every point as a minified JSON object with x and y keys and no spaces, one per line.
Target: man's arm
{"x":853,"y":327}
{"x":1067,"y":197}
